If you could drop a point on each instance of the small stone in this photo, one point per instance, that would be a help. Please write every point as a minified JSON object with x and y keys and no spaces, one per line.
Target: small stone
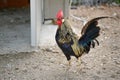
{"x":104,"y":68}
{"x":118,"y":72}
{"x":62,"y":65}
{"x":98,"y":72}
{"x":11,"y":20}
{"x":24,"y":70}
{"x":112,"y":76}
{"x":16,"y":68}
{"x":106,"y":37}
{"x":114,"y":14}
{"x":117,"y":62}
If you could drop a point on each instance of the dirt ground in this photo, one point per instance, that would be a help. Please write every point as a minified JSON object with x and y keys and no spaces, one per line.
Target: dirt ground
{"x":49,"y":63}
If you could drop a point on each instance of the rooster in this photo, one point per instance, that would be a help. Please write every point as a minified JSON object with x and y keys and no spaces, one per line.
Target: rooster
{"x":70,"y":43}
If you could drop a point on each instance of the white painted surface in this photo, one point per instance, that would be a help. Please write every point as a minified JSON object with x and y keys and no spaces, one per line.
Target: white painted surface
{"x":36,"y":20}
{"x":47,"y":35}
{"x":51,"y":7}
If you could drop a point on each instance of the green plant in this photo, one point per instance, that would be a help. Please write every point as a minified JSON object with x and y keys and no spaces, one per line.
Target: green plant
{"x":117,"y":1}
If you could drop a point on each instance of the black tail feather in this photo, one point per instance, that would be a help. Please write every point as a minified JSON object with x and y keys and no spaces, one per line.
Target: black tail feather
{"x":89,"y":33}
{"x":87,"y":40}
{"x":92,"y":44}
{"x":97,"y":41}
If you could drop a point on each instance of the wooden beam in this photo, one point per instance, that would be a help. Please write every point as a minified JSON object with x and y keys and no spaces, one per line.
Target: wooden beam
{"x":36,"y":20}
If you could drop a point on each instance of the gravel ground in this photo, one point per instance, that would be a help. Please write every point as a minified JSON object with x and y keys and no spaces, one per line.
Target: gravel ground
{"x":49,"y":63}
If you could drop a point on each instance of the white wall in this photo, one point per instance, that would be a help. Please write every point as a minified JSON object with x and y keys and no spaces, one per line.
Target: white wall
{"x":51,"y":7}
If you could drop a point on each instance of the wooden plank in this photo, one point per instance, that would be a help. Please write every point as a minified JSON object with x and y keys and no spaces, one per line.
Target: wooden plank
{"x":13,"y":3}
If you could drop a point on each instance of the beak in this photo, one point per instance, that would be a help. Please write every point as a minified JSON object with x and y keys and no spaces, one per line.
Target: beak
{"x":54,"y":21}
{"x":63,"y":20}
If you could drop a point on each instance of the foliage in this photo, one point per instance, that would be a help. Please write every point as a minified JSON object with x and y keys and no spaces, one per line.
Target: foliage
{"x":117,"y":1}
{"x":93,"y":2}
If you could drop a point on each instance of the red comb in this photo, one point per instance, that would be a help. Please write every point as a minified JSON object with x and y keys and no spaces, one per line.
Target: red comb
{"x":59,"y":14}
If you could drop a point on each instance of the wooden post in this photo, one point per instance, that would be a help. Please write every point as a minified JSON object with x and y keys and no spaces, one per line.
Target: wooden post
{"x":36,"y":21}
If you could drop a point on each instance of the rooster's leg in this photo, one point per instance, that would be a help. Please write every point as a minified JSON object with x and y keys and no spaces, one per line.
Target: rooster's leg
{"x":79,"y":61}
{"x":79,"y":64}
{"x":67,"y":69}
{"x":69,"y":63}
{"x":68,"y":59}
